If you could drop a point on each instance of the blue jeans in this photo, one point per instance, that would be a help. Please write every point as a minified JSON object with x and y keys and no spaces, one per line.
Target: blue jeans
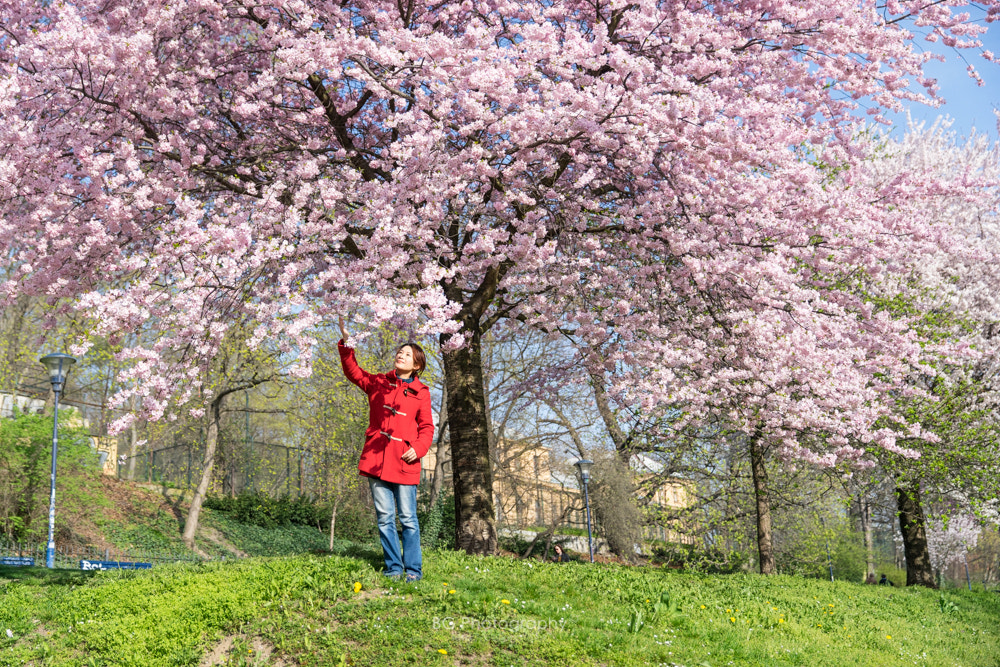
{"x":391,"y":498}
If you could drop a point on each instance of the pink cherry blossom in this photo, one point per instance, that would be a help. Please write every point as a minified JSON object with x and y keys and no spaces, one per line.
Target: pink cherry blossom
{"x":680,"y":185}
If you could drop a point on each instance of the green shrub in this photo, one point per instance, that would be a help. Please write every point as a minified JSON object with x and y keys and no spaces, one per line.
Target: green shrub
{"x":258,"y":509}
{"x":355,"y":523}
{"x":689,"y":557}
{"x":25,"y":465}
{"x":437,"y":523}
{"x":812,"y":547}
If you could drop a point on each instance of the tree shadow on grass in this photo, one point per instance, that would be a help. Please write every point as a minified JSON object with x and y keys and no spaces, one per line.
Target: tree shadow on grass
{"x":42,"y":576}
{"x":175,"y":505}
{"x":371,"y":554}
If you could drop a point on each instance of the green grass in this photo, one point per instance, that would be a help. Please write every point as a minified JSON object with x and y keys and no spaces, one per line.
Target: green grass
{"x":158,"y":531}
{"x":303,"y":610}
{"x":287,"y":540}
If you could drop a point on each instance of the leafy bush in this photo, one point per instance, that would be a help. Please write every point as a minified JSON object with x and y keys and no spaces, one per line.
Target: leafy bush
{"x":437,"y":523}
{"x":355,"y":523}
{"x":687,"y":556}
{"x":252,"y":508}
{"x":810,"y":548}
{"x":258,"y":509}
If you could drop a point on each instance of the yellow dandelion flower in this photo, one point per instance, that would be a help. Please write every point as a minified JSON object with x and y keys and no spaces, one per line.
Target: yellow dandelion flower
{"x":451,"y":592}
{"x":647,"y":599}
{"x":829,"y":605}
{"x":729,"y":611}
{"x":357,"y":586}
{"x":505,"y":601}
{"x":445,"y":584}
{"x":774,"y":609}
{"x":888,"y":636}
{"x":732,"y":619}
{"x":442,"y":651}
{"x":781,"y":620}
{"x":703,"y":607}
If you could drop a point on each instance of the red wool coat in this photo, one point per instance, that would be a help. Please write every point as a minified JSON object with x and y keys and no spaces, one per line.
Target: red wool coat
{"x":399,"y":417}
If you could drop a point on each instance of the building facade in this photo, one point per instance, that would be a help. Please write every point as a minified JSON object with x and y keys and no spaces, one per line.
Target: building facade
{"x":532,"y":489}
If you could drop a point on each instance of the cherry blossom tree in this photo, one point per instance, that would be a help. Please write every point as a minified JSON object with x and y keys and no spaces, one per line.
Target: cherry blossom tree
{"x":953,"y":297}
{"x":669,"y":180}
{"x":949,"y":540}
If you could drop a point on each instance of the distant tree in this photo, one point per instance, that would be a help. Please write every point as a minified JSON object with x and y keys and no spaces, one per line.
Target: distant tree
{"x":952,"y":394}
{"x":236,"y":368}
{"x":950,"y":539}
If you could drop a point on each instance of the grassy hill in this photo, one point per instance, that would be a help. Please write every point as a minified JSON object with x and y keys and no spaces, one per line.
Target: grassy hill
{"x":314,"y":608}
{"x":337,"y":610}
{"x":106,"y":514}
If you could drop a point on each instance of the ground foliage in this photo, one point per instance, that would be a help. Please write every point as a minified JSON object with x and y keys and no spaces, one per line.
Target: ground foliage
{"x":312,"y":610}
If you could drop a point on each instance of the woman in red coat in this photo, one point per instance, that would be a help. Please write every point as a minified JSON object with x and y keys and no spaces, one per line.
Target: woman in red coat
{"x":400,"y":431}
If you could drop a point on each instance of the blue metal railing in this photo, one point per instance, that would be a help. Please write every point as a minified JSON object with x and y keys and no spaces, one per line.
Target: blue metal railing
{"x":70,"y":557}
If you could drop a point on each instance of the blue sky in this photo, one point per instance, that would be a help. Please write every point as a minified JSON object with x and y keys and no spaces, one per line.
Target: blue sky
{"x":967,"y":104}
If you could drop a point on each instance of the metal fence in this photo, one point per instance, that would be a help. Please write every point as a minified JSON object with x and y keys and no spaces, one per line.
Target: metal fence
{"x":70,"y":557}
{"x":253,"y":466}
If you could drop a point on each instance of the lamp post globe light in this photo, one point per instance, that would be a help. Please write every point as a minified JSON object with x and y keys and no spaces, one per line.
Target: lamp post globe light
{"x":583,"y":465}
{"x":58,"y":365}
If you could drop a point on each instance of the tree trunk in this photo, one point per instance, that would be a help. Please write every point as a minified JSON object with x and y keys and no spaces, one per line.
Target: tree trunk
{"x":191,"y":523}
{"x":911,"y":524}
{"x":475,"y":526}
{"x":333,"y":518}
{"x":132,"y":451}
{"x":441,"y":447}
{"x":764,"y":546}
{"x":866,"y":530}
{"x":618,"y":437}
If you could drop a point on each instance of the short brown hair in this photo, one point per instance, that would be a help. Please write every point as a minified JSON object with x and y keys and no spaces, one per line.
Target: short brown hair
{"x":419,"y":358}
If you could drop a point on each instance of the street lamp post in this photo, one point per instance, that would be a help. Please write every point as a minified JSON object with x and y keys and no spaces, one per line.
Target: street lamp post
{"x":583,"y":465}
{"x":58,"y":365}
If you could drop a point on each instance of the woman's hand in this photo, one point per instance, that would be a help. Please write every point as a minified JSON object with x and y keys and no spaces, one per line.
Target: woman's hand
{"x":343,"y":328}
{"x":409,"y":455}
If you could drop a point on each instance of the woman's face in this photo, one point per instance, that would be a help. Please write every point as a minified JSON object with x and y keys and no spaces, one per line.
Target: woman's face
{"x":404,"y":361}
